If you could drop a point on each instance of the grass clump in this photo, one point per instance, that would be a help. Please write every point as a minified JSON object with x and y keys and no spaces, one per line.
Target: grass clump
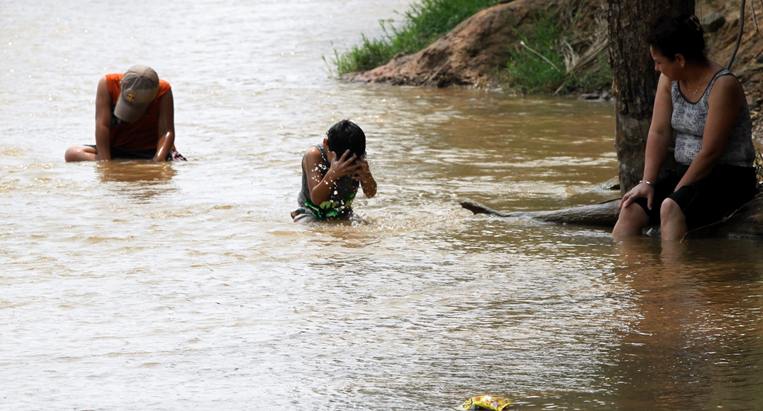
{"x":423,"y":24}
{"x":536,"y":64}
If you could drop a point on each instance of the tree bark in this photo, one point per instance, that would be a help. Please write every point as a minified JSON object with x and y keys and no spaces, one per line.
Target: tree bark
{"x":634,"y":79}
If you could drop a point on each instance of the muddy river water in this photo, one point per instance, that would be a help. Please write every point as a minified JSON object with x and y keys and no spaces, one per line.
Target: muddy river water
{"x":132,"y":285}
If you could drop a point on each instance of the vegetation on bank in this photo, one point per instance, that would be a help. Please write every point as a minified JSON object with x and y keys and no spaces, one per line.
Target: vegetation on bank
{"x":423,"y":24}
{"x":540,"y":62}
{"x":538,"y":65}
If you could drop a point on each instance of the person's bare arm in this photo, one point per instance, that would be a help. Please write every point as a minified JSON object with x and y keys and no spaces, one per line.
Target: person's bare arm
{"x":363,"y":175}
{"x":724,"y":102}
{"x":657,"y":144}
{"x":321,"y":186}
{"x":166,"y":127}
{"x":102,"y":121}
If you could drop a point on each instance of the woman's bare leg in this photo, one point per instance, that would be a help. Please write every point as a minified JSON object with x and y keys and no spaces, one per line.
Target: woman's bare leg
{"x":631,"y":221}
{"x":673,"y":220}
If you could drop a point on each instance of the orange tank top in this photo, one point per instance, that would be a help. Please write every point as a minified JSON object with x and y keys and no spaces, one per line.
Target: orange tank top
{"x":142,"y":134}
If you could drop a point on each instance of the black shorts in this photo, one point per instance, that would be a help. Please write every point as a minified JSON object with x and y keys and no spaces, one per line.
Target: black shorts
{"x":120,"y":154}
{"x":705,"y":201}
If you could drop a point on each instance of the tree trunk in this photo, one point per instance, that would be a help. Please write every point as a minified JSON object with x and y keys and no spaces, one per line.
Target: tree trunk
{"x":634,"y":79}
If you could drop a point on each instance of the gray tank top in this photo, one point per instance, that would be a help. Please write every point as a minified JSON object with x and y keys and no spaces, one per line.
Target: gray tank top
{"x":689,"y":120}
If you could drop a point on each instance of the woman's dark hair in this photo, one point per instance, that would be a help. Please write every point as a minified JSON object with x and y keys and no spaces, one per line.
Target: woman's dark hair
{"x":346,"y":135}
{"x":679,"y":35}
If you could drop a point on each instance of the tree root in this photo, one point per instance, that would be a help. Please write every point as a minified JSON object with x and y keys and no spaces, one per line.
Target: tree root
{"x":746,"y":221}
{"x":603,"y":214}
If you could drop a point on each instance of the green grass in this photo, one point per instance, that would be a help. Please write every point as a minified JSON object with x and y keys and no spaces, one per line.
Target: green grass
{"x":429,"y":19}
{"x":422,"y":24}
{"x":527,"y":71}
{"x":592,"y":80}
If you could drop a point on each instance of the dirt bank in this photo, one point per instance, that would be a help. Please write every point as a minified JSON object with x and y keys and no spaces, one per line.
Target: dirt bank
{"x":748,"y":65}
{"x":474,"y":54}
{"x":470,"y":55}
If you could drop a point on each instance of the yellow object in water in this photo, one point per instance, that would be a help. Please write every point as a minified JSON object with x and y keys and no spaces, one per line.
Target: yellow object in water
{"x":486,"y":402}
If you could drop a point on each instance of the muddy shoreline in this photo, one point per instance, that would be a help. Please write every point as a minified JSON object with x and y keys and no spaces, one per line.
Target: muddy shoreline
{"x":475,"y":52}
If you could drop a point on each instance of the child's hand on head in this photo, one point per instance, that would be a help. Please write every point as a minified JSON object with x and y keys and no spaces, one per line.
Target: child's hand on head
{"x":363,"y":171}
{"x":343,"y":166}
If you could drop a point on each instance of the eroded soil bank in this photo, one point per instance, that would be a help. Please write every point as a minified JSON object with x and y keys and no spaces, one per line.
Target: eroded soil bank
{"x":474,"y":54}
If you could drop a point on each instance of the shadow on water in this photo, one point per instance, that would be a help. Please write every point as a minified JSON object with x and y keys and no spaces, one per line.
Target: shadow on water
{"x":696,"y":341}
{"x":139,"y":180}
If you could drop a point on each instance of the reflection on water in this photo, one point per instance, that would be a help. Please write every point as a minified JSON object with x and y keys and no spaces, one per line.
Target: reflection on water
{"x":143,"y":179}
{"x":146,"y":172}
{"x":696,"y":344}
{"x":132,"y":285}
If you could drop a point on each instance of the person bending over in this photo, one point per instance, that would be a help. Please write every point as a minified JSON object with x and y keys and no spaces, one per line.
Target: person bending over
{"x":331,"y":174}
{"x":706,"y":107}
{"x":134,"y":119}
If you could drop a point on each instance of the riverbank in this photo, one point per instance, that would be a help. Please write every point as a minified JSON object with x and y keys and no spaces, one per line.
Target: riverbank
{"x":475,"y":53}
{"x":748,"y":63}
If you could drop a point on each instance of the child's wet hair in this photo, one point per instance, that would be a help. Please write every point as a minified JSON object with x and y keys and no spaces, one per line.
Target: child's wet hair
{"x":346,"y":135}
{"x":679,"y":35}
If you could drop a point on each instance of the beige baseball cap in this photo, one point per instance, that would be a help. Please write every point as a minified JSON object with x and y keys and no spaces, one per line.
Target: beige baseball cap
{"x":140,"y":85}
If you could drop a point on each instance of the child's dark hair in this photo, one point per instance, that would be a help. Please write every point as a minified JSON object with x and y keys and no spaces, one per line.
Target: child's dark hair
{"x":679,"y":35}
{"x":346,"y":135}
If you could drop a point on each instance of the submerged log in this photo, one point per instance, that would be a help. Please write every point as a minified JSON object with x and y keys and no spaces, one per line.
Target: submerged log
{"x":604,"y":214}
{"x":747,"y":221}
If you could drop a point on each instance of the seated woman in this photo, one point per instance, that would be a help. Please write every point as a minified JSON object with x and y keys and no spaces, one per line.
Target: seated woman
{"x":706,"y":106}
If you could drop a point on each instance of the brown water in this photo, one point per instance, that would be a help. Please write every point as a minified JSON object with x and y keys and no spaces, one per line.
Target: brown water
{"x":132,"y":285}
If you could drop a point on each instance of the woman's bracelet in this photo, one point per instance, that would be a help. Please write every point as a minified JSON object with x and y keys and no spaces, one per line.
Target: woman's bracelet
{"x":647,"y":182}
